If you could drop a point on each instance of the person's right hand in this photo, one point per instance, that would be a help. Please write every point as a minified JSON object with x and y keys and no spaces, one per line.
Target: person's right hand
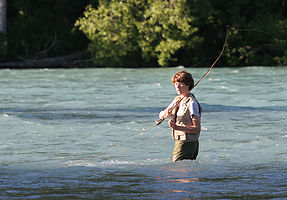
{"x":161,"y":115}
{"x":164,"y":114}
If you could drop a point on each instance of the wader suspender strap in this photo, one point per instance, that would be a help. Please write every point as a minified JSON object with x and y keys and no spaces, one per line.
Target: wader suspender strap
{"x":175,"y":116}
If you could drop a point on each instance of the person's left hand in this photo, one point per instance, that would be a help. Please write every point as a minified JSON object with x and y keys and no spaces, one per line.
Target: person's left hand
{"x":171,"y":124}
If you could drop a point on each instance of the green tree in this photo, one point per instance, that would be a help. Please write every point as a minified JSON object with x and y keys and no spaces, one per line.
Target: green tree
{"x":123,"y":33}
{"x":111,"y":28}
{"x":166,"y":28}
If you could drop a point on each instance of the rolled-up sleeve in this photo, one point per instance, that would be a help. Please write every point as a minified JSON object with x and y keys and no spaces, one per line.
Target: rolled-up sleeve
{"x":194,"y":109}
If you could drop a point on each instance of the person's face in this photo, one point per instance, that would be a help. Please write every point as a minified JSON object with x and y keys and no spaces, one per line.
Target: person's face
{"x":181,"y":88}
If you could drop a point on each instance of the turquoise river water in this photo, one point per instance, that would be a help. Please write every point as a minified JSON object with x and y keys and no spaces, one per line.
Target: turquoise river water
{"x":90,"y":134}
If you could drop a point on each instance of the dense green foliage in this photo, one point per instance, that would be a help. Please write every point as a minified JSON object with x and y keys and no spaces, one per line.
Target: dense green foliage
{"x":132,"y":32}
{"x":140,"y":33}
{"x":180,"y":32}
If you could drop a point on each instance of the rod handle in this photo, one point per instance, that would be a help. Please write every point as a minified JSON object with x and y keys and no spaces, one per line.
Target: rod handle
{"x":159,"y":121}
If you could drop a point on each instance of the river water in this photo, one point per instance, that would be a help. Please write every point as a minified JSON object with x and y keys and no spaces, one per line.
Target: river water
{"x":90,"y":134}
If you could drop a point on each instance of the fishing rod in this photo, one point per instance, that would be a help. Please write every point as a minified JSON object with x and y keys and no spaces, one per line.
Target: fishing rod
{"x":169,"y":112}
{"x":157,"y":122}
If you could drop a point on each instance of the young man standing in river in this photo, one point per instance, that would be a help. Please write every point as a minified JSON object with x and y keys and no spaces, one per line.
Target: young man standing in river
{"x":184,"y":118}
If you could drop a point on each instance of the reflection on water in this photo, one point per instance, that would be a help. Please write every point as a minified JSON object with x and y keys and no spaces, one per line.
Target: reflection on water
{"x":125,"y":181}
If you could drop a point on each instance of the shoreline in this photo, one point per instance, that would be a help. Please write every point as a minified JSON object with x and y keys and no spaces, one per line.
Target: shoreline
{"x":80,"y":60}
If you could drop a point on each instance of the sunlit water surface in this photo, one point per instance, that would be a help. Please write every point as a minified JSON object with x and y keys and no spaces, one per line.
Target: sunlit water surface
{"x":90,"y":133}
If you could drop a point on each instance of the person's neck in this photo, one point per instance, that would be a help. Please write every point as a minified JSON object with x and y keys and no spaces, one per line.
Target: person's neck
{"x":185,"y":94}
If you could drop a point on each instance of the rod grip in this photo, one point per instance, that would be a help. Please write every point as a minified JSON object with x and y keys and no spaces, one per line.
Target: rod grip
{"x":159,"y":121}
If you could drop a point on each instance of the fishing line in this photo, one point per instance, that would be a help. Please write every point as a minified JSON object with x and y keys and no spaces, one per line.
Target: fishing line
{"x":256,"y":49}
{"x":233,"y":29}
{"x":255,"y":30}
{"x":149,"y":138}
{"x":90,"y":160}
{"x":129,"y":138}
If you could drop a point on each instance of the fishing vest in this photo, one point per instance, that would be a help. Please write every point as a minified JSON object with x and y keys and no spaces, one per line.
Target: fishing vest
{"x":181,"y":116}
